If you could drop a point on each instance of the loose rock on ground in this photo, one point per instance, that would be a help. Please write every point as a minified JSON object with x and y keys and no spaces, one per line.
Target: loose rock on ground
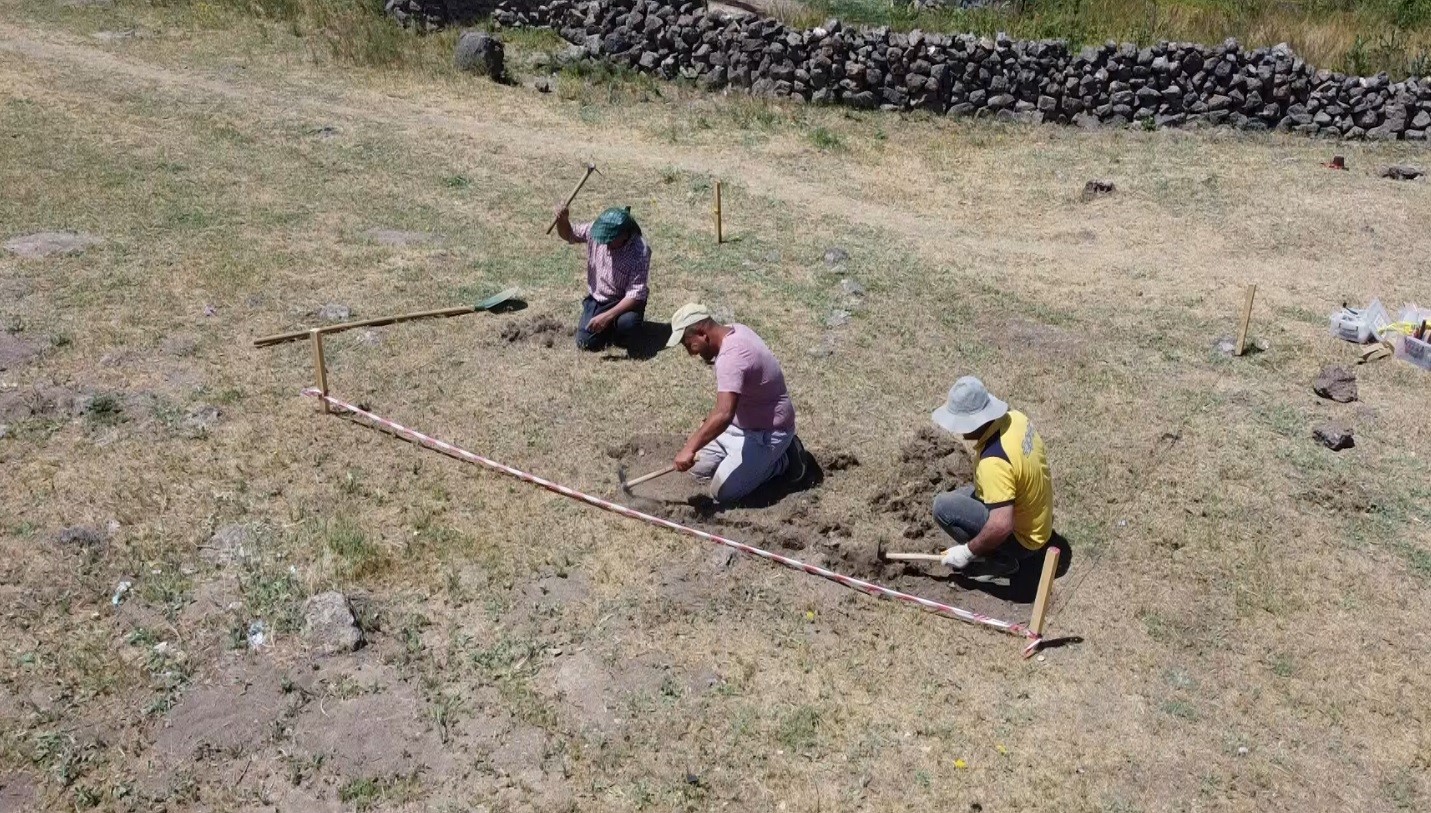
{"x":329,"y":626}
{"x":1336,"y":383}
{"x":1334,"y":436}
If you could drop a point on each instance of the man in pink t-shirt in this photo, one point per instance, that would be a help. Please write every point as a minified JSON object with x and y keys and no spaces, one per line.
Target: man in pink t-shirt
{"x":749,"y":437}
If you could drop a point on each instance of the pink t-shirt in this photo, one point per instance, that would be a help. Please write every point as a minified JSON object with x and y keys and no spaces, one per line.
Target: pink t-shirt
{"x":746,"y":367}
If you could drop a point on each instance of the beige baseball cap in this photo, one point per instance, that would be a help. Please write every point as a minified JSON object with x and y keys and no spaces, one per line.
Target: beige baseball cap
{"x":688,"y":314}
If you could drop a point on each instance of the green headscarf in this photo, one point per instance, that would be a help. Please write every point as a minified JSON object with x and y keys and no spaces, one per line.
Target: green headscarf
{"x":613,"y":223}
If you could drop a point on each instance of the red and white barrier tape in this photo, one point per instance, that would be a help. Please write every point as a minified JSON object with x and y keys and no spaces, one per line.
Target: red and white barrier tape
{"x":868,"y":588}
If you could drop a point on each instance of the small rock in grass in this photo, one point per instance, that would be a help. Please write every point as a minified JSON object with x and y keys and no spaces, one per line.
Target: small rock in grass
{"x":837,"y":318}
{"x":230,"y":543}
{"x":1334,"y":436}
{"x":80,"y":536}
{"x":329,"y":626}
{"x":1401,"y":172}
{"x":333,"y":312}
{"x":836,"y":255}
{"x":1336,"y":383}
{"x":851,"y":288}
{"x":480,"y":53}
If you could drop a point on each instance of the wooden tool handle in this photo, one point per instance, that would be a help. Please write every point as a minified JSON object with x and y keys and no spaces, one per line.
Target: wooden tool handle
{"x":914,"y":557}
{"x":653,"y":475}
{"x":381,"y":320}
{"x":590,"y":168}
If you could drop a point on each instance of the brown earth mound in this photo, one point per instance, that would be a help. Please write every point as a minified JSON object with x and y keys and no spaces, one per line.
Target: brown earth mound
{"x":930,"y":462}
{"x":542,"y":329}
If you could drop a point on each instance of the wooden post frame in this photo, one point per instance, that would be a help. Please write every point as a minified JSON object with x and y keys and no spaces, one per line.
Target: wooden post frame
{"x":720,"y":236}
{"x":1246,"y":319}
{"x":441,"y":313}
{"x":319,"y":367}
{"x":1045,"y":589}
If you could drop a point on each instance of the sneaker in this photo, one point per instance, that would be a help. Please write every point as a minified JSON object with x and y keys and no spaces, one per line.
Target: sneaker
{"x":795,"y":461}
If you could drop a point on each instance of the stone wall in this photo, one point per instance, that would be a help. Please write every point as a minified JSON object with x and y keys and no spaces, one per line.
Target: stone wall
{"x":1164,"y":85}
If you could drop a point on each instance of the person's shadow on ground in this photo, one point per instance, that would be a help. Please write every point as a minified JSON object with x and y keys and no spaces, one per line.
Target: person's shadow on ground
{"x":649,"y":340}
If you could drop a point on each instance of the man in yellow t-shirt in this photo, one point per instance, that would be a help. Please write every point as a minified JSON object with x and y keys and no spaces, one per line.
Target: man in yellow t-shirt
{"x":1006,"y":516}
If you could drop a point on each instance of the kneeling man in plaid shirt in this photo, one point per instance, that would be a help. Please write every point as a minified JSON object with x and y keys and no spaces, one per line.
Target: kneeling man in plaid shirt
{"x":618,"y":266}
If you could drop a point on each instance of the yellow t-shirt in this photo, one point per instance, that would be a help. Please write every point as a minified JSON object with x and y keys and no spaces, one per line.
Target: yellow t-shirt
{"x":1012,"y":470}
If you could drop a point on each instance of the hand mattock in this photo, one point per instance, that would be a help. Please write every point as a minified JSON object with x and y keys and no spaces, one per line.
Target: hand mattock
{"x":626,"y":486}
{"x":883,"y":555}
{"x":590,"y":168}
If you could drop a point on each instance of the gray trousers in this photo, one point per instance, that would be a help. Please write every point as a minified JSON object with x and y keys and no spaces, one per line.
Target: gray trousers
{"x":963,"y":516}
{"x":738,"y":461}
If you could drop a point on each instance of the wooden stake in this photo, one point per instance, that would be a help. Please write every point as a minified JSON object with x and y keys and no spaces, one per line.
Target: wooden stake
{"x":720,"y":238}
{"x":1246,"y":318}
{"x":1045,"y":589}
{"x":318,"y":366}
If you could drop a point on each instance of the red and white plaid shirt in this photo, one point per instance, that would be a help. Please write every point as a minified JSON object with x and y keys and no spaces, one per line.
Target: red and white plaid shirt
{"x":615,"y":274}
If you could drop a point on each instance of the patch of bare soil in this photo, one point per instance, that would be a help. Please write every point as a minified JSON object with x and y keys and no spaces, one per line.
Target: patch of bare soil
{"x":40,"y":402}
{"x":230,"y":715}
{"x":15,"y":352}
{"x":595,"y":696}
{"x":1037,"y":338}
{"x":929,"y":463}
{"x":51,"y":244}
{"x":543,"y":329}
{"x":18,"y":792}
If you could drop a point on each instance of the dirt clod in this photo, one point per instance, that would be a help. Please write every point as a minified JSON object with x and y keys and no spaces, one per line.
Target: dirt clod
{"x":1096,"y":189}
{"x":1334,"y":436}
{"x":1401,"y":172}
{"x":837,"y":460}
{"x":1336,"y":383}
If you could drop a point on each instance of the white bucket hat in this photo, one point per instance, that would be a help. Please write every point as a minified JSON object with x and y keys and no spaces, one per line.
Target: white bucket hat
{"x":969,"y":407}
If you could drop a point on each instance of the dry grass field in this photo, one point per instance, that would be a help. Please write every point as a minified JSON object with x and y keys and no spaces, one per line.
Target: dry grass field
{"x":1252,"y":607}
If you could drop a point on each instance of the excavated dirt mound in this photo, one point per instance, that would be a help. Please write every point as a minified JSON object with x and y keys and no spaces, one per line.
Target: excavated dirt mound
{"x":930,"y":462}
{"x":543,"y":329}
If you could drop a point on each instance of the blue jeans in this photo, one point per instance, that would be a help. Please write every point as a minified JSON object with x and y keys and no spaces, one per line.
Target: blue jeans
{"x":739,"y":461}
{"x":622,"y":332}
{"x":962,"y":516}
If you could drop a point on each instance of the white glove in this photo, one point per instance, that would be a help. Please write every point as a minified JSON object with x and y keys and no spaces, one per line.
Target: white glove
{"x":958,"y":557}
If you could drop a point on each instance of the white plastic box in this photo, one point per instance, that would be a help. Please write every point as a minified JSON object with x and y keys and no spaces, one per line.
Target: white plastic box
{"x":1415,"y":351}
